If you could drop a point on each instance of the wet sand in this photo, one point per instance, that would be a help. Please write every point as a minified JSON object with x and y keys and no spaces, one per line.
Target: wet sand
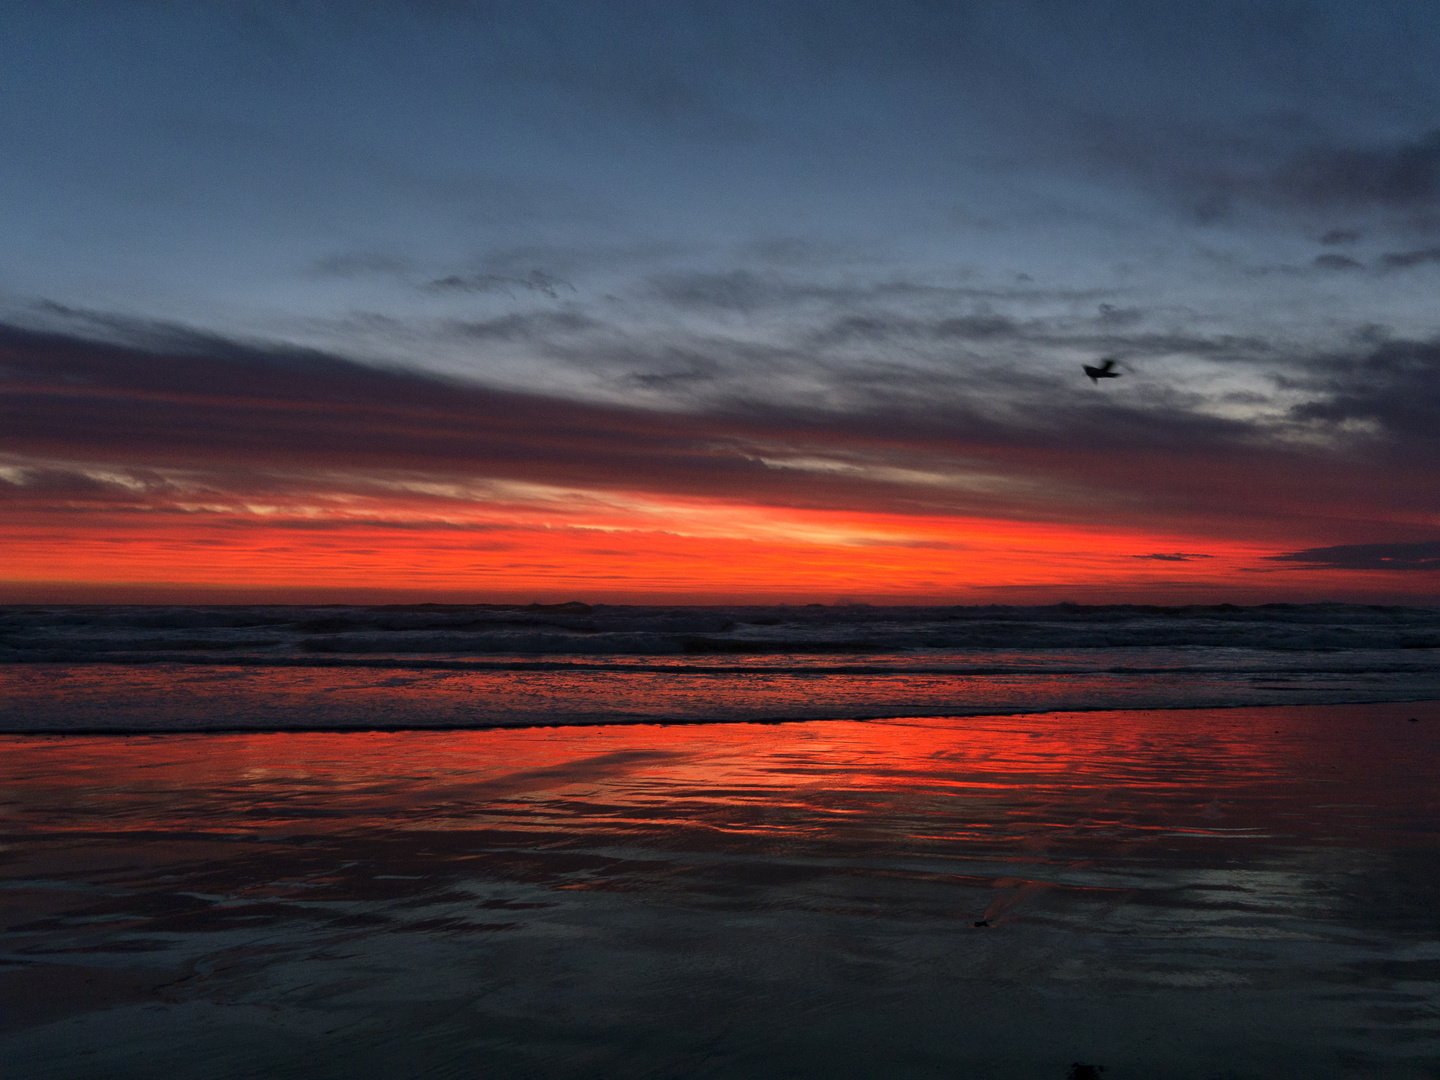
{"x":1190,"y":893}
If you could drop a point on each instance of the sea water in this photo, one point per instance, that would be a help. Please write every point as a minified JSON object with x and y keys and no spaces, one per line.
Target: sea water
{"x":1017,"y":876}
{"x":236,"y":668}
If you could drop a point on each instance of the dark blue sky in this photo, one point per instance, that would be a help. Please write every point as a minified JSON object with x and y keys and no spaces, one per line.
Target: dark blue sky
{"x":883,"y":217}
{"x":629,"y":185}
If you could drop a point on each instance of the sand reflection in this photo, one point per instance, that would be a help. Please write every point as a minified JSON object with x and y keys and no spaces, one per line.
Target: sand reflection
{"x":835,"y":898}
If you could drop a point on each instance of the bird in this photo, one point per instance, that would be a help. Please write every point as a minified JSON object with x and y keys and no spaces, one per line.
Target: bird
{"x":1105,"y":371}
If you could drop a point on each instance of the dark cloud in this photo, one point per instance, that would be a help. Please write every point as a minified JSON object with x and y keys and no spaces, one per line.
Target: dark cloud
{"x":1216,"y":171}
{"x":1340,"y":236}
{"x":1402,"y":260}
{"x":734,"y":290}
{"x":682,"y":370}
{"x":975,"y":326}
{"x":743,"y":290}
{"x":571,"y":261}
{"x":1420,"y":556}
{"x":1337,"y":262}
{"x":1111,"y":315}
{"x":878,"y":327}
{"x":224,"y":416}
{"x":1177,"y":556}
{"x":863,"y":328}
{"x":528,"y":326}
{"x":1403,"y":175}
{"x":1395,"y":387}
{"x":546,"y":269}
{"x":165,"y":338}
{"x":538,"y":281}
{"x":50,"y":483}
{"x":223,"y":409}
{"x":1220,"y":171}
{"x":1105,"y":334}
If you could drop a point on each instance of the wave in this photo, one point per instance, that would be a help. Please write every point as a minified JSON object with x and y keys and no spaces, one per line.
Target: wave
{"x":154,"y":669}
{"x":311,"y":634}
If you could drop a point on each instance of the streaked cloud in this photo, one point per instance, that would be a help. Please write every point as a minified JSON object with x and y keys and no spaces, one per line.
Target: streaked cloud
{"x":813,"y":277}
{"x":1419,"y":556}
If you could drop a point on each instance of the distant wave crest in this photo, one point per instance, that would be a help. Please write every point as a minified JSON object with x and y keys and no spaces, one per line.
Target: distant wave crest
{"x":450,"y":633}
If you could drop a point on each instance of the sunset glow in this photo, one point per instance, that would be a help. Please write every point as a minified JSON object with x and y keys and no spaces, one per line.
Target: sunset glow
{"x":712,"y":552}
{"x":582,"y":305}
{"x":346,"y":482}
{"x":826,"y":539}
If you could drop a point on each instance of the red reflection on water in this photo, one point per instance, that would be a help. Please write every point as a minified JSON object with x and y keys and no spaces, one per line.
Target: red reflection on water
{"x":1024,"y":786}
{"x":160,"y":697}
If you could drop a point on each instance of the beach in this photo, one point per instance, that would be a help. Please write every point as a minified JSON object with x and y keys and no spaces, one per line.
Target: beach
{"x":1238,"y":892}
{"x":740,"y":540}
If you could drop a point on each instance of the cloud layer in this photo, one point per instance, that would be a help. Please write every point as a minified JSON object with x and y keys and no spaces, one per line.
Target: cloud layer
{"x":792,"y":273}
{"x":1018,"y":446}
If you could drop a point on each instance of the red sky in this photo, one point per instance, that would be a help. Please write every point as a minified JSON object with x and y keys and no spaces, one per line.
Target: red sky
{"x":719,"y":302}
{"x":136,"y":474}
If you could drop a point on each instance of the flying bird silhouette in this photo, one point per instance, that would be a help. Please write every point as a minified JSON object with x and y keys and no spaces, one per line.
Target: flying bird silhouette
{"x":1104,"y":371}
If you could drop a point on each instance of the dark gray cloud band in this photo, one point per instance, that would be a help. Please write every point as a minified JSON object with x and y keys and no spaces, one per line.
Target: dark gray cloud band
{"x":244,"y":417}
{"x":1418,"y":556}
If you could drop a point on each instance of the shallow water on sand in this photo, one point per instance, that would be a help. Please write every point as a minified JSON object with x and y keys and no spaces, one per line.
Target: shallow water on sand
{"x":1247,"y":892}
{"x":103,"y":697}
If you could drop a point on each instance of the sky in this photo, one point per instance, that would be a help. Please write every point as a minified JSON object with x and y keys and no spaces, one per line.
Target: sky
{"x":719,"y":302}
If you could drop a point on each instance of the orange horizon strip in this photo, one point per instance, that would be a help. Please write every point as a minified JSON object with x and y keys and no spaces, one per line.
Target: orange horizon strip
{"x":896,"y":557}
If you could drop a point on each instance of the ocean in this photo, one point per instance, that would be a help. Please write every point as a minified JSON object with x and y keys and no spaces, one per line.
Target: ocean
{"x":126,"y":669}
{"x":619,"y":841}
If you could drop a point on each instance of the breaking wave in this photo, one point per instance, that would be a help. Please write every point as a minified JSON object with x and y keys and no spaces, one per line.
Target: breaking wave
{"x":153,"y":669}
{"x":305,"y":635}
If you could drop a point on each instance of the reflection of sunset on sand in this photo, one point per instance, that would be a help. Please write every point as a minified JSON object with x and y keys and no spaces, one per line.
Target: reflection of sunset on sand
{"x":702,"y":899}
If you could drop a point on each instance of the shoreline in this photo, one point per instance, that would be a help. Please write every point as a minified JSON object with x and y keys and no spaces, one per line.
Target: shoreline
{"x":524,"y":725}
